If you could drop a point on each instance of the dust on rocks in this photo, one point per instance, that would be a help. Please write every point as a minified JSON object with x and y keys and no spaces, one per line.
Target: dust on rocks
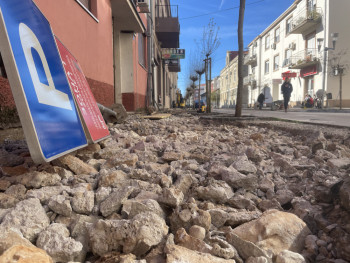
{"x":182,"y":189}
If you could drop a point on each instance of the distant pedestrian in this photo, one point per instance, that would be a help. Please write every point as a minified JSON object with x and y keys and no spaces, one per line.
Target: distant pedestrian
{"x":287,"y":90}
{"x":261,"y":100}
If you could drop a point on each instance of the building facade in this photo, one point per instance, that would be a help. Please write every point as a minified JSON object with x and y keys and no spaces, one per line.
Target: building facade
{"x":296,"y":45}
{"x":215,"y":96}
{"x":118,"y":47}
{"x":166,"y":33}
{"x":229,"y":82}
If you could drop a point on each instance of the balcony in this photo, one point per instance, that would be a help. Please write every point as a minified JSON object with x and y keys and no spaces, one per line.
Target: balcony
{"x":303,"y":59}
{"x":126,"y":16}
{"x":306,"y":20}
{"x":167,"y":26}
{"x":249,"y":80}
{"x":250,"y":60}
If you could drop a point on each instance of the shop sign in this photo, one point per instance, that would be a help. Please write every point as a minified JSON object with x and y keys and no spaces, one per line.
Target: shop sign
{"x":289,"y":74}
{"x":309,"y":71}
{"x":173,"y":53}
{"x":95,"y":126}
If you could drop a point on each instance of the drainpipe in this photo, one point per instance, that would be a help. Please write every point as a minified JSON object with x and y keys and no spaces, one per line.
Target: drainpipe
{"x":150,"y":85}
{"x":164,"y":83}
{"x":259,"y":65}
{"x":325,"y":43}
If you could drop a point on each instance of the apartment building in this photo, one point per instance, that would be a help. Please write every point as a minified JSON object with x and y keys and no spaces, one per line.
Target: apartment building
{"x":215,"y":96}
{"x":296,"y":45}
{"x":118,"y":44}
{"x":229,"y":82}
{"x":166,"y":34}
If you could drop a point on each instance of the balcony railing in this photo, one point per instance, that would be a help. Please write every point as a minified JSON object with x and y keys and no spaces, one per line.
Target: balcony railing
{"x":306,"y":20}
{"x":167,"y":25}
{"x":250,"y":60}
{"x":249,"y":80}
{"x":303,"y":59}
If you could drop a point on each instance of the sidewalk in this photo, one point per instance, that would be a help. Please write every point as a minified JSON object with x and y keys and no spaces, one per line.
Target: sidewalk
{"x":329,"y":117}
{"x":299,"y":109}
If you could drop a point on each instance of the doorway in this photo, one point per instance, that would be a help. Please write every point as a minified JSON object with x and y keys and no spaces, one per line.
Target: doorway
{"x":275,"y":91}
{"x":309,"y":86}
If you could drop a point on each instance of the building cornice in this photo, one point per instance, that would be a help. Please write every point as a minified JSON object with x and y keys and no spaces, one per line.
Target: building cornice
{"x":277,"y":21}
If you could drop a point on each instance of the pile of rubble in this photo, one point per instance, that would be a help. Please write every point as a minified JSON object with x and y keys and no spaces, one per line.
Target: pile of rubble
{"x":181,"y":190}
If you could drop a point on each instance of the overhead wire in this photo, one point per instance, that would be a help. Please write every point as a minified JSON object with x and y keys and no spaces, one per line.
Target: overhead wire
{"x":281,"y":25}
{"x":220,"y":11}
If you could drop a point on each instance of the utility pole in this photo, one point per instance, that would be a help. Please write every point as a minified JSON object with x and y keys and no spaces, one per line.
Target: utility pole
{"x":340,"y":86}
{"x":208,"y":83}
{"x":209,"y":89}
{"x":325,"y":50}
{"x":238,"y":112}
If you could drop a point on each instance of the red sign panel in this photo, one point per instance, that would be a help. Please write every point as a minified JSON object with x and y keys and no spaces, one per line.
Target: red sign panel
{"x":309,"y":71}
{"x":289,"y":75}
{"x":95,"y":127}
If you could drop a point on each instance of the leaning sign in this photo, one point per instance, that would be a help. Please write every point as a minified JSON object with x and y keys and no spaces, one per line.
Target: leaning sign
{"x":94,"y":124}
{"x":173,"y":53}
{"x":44,"y":101}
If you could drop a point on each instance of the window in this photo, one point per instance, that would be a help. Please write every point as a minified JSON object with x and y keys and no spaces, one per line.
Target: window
{"x":289,"y":25}
{"x":86,"y":3}
{"x":267,"y":66}
{"x":277,"y":35}
{"x":276,"y":61}
{"x":267,"y":42}
{"x":287,"y":55}
{"x":235,"y":75}
{"x":141,"y":48}
{"x":2,"y":68}
{"x":311,"y":5}
{"x":90,"y":6}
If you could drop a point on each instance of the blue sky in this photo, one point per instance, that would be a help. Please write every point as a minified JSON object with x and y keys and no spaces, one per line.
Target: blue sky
{"x":258,"y":15}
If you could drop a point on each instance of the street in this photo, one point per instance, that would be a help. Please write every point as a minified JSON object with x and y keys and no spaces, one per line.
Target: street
{"x":330,"y":117}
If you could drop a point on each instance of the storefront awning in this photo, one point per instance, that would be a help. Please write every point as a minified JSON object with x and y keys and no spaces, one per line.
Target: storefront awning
{"x":309,"y":71}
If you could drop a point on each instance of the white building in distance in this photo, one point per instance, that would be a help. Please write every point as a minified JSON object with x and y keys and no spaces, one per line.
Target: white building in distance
{"x":298,"y":45}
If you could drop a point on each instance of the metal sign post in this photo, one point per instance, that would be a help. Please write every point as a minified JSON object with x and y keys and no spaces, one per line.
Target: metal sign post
{"x":44,"y":101}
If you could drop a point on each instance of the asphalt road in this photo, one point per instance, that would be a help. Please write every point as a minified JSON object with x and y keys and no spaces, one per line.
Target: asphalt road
{"x":327,"y":117}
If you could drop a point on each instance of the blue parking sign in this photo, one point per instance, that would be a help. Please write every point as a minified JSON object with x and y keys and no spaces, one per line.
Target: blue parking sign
{"x":38,"y":81}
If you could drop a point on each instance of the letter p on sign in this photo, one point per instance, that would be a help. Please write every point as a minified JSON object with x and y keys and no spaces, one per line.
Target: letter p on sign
{"x":39,"y":84}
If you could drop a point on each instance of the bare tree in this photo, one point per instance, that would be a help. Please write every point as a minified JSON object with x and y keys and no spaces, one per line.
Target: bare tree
{"x":188,"y":95}
{"x":199,"y":69}
{"x":194,"y":78}
{"x":238,"y":112}
{"x":338,"y":68}
{"x":209,"y":43}
{"x":193,"y":65}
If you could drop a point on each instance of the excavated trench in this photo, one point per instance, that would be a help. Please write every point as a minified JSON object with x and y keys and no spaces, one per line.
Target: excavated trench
{"x":184,"y":189}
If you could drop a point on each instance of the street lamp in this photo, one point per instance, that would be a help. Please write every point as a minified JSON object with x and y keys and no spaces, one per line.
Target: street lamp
{"x":325,"y":50}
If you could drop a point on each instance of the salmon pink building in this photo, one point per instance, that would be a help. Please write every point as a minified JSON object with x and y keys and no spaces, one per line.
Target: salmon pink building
{"x":116,"y":44}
